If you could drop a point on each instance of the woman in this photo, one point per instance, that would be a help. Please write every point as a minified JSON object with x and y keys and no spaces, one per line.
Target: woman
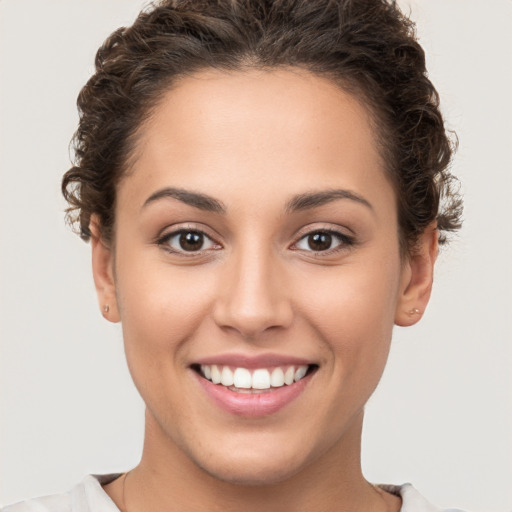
{"x":261,"y":185}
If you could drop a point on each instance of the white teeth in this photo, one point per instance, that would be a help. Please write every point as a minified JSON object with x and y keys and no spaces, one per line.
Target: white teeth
{"x":289,"y":375}
{"x":261,"y":378}
{"x":301,"y":371}
{"x":215,"y":374}
{"x":226,"y":377}
{"x":207,"y":371}
{"x":277,"y":378}
{"x":241,"y":378}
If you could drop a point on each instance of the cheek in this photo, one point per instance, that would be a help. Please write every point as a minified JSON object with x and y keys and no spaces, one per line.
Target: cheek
{"x":353,"y":312}
{"x":161,"y":306}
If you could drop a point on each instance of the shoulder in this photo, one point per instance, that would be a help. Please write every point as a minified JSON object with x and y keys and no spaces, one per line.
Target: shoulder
{"x":412,"y":500}
{"x":87,"y":496}
{"x":55,"y":503}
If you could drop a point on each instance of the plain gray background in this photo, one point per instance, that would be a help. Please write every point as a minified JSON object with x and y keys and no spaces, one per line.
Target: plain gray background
{"x":442,"y":415}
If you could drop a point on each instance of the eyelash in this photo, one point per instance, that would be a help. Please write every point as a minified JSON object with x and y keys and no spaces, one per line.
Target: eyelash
{"x":344,"y":242}
{"x":164,"y":242}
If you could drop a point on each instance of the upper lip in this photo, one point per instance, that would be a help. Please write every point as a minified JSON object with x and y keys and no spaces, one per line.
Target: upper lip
{"x":253,"y":361}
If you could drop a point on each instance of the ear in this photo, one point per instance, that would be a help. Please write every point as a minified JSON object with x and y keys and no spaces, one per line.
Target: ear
{"x":103,"y":272}
{"x":417,"y":278}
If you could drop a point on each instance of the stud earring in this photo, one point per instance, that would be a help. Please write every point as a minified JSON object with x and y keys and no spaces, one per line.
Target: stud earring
{"x":106,"y":308}
{"x":414,"y":311}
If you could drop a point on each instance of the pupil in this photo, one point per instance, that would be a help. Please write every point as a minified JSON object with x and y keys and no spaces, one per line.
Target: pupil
{"x":191,"y":241}
{"x":320,"y":241}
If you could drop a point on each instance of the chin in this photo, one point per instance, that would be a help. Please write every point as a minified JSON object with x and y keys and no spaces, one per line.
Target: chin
{"x":251,"y":475}
{"x":254,"y":469}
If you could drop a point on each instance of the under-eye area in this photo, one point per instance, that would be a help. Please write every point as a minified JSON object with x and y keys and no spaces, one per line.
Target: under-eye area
{"x":244,"y":380}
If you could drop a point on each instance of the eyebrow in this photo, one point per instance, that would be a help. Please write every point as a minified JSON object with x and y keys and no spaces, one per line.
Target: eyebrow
{"x":300,"y":202}
{"x":195,"y":199}
{"x":315,"y":199}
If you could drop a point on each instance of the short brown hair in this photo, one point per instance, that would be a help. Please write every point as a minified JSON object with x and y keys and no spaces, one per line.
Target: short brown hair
{"x":368,"y":47}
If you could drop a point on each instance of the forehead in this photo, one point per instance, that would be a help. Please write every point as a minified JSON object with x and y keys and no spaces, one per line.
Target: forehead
{"x":283,"y":127}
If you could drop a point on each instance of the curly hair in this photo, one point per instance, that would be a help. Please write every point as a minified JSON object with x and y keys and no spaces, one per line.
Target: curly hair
{"x":367,"y":47}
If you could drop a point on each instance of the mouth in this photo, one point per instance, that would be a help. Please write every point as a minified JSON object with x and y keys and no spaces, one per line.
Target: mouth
{"x":253,"y":389}
{"x":254,"y":381}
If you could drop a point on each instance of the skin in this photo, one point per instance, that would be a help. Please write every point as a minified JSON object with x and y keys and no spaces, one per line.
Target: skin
{"x":257,"y":288}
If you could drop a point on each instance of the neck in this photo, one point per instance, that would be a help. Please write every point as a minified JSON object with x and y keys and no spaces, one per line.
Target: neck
{"x":166,"y":479}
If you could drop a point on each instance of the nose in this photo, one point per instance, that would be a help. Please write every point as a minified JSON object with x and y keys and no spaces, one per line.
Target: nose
{"x":252,"y":296}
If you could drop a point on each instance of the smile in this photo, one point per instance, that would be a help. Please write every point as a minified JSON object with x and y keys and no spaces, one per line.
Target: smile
{"x":243,"y":380}
{"x":253,"y":387}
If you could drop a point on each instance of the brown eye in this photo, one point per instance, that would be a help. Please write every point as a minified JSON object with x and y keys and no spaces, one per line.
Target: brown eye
{"x":187,"y":241}
{"x":191,"y":241}
{"x":319,"y":241}
{"x":323,"y":241}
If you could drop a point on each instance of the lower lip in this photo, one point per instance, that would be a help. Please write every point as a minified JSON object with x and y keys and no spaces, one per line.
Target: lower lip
{"x":253,"y":404}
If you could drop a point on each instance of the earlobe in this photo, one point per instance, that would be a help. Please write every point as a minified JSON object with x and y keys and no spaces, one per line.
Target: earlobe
{"x":103,"y":272}
{"x":417,"y":278}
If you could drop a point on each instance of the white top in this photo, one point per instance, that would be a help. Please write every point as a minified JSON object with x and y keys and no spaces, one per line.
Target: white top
{"x":89,"y":496}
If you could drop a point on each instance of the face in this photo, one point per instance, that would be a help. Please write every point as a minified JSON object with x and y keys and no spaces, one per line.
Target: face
{"x":256,"y":232}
